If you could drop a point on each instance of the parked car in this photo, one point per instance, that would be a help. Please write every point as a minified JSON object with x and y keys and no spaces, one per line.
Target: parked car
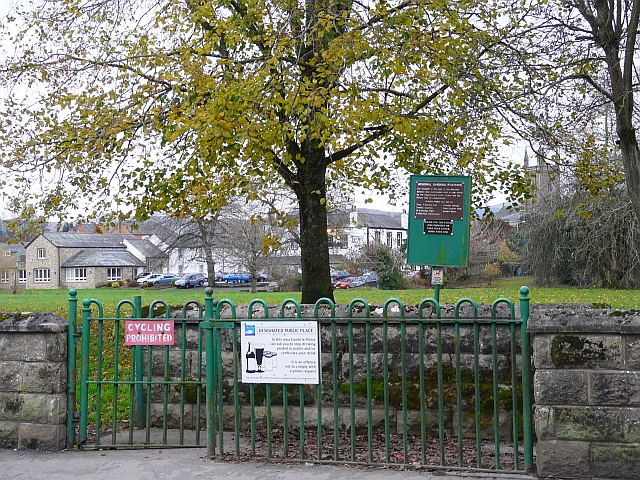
{"x":343,"y":283}
{"x":261,"y":277}
{"x":273,"y":287}
{"x":165,"y":279}
{"x":237,"y":278}
{"x":140,"y":276}
{"x":149,"y":278}
{"x":190,"y":280}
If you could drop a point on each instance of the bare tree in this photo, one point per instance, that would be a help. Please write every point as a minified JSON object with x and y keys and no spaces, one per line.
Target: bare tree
{"x":250,"y":237}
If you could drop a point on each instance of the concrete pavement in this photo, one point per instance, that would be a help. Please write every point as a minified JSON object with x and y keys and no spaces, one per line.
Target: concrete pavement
{"x":190,"y":463}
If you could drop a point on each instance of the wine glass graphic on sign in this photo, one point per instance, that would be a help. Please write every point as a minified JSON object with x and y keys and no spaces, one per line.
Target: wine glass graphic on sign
{"x":259,"y":348}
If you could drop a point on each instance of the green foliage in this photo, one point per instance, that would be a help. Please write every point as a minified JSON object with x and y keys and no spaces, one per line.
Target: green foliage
{"x":389,"y":277}
{"x":187,"y":104}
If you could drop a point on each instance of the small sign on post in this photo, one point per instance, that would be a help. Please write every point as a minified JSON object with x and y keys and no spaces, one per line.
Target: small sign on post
{"x":437,"y":276}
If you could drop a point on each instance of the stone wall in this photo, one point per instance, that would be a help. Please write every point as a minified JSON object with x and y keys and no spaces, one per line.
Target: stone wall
{"x":33,"y":381}
{"x":587,"y":392}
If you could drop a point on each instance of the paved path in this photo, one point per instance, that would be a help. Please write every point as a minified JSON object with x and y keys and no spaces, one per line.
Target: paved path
{"x":190,"y":463}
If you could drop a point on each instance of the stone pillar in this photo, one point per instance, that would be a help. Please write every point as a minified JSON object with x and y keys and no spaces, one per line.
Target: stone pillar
{"x":587,"y":392}
{"x":33,"y":381}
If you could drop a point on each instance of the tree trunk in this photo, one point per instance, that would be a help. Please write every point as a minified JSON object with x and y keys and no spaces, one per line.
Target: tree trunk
{"x":314,"y":240}
{"x":207,"y":246}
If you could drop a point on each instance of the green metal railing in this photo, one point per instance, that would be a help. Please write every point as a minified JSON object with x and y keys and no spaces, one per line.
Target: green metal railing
{"x":394,"y":440}
{"x":396,"y":389}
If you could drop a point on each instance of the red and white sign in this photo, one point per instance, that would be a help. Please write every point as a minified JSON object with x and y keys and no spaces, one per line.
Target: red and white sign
{"x":148,"y":332}
{"x":437,"y":276}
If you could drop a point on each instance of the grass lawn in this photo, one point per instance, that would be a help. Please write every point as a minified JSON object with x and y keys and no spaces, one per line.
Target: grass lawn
{"x":56,"y":301}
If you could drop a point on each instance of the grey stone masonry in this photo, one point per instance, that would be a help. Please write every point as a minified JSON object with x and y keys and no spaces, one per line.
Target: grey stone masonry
{"x":587,"y":391}
{"x":33,"y":381}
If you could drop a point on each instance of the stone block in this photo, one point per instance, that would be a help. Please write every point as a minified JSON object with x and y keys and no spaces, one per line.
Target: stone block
{"x":544,"y":422}
{"x":24,"y":347}
{"x":598,"y":424}
{"x":556,"y":458}
{"x":44,"y":377}
{"x":618,"y":461}
{"x":615,"y":388}
{"x":37,"y":408}
{"x":35,"y":436}
{"x":632,"y":352}
{"x":57,"y":347}
{"x":569,"y":351}
{"x":541,"y":347}
{"x":8,"y":434}
{"x":561,"y":387}
{"x":11,"y":404}
{"x":11,"y":374}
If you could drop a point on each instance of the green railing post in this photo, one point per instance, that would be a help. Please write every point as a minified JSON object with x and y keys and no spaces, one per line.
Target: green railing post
{"x":71,"y":369}
{"x":84,"y":371}
{"x":436,"y":293}
{"x":527,"y":394}
{"x":209,"y":372}
{"x":137,"y":354}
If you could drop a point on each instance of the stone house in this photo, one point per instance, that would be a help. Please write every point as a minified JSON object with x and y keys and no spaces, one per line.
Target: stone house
{"x":12,"y":266}
{"x":81,"y":260}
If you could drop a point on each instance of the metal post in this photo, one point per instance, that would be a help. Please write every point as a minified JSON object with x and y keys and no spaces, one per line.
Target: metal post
{"x":71,"y":369}
{"x":437,"y":293}
{"x":209,"y":372}
{"x":84,"y":371}
{"x":139,"y":371}
{"x":527,"y":394}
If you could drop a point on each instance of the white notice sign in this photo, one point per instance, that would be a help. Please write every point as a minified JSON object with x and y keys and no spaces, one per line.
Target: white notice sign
{"x":280,"y":352}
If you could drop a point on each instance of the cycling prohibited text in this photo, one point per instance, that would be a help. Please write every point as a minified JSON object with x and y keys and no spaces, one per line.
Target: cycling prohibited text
{"x":280,"y":352}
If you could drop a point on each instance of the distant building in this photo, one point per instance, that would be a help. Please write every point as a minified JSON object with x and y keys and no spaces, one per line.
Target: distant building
{"x":84,"y":260}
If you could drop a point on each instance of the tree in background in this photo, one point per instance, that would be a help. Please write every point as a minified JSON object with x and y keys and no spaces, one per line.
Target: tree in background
{"x":386,"y":262}
{"x":133,"y":106}
{"x":576,"y":238}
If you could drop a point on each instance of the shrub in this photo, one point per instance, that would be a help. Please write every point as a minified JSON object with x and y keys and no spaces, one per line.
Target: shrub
{"x":115,"y":284}
{"x":133,"y":284}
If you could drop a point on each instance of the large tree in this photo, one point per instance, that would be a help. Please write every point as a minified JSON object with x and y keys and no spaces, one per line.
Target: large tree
{"x":108,"y":99}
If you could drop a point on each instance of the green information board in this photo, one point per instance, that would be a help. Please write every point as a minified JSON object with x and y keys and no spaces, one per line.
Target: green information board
{"x":439,"y":212}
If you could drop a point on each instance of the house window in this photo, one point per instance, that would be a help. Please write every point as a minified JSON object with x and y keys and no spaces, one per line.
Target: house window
{"x":399,"y":239}
{"x":338,"y":240}
{"x":6,"y":253}
{"x":41,"y":275}
{"x":4,"y":277}
{"x":389,"y":239}
{"x":377,"y":236}
{"x":42,"y":254}
{"x":76,"y":274}
{"x":22,"y":276}
{"x":114,"y":274}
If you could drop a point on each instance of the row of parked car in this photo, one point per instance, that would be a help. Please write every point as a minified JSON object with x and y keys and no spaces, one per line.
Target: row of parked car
{"x":344,"y":280}
{"x":190,"y":280}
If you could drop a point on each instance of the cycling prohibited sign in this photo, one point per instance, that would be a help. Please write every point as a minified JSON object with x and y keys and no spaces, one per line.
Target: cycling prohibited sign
{"x":280,"y":352}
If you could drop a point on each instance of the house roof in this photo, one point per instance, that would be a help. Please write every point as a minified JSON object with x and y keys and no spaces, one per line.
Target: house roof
{"x":379,"y":219}
{"x":148,"y":249}
{"x":87,"y":240}
{"x":103,"y":258}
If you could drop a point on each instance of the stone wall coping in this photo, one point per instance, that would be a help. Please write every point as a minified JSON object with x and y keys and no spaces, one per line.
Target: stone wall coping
{"x":583,"y":319}
{"x":32,"y":322}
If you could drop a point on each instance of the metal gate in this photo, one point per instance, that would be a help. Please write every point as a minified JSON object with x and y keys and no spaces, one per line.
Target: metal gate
{"x":423,"y":386}
{"x":140,"y":396}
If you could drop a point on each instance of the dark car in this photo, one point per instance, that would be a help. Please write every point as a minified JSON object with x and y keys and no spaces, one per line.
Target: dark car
{"x":190,"y":280}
